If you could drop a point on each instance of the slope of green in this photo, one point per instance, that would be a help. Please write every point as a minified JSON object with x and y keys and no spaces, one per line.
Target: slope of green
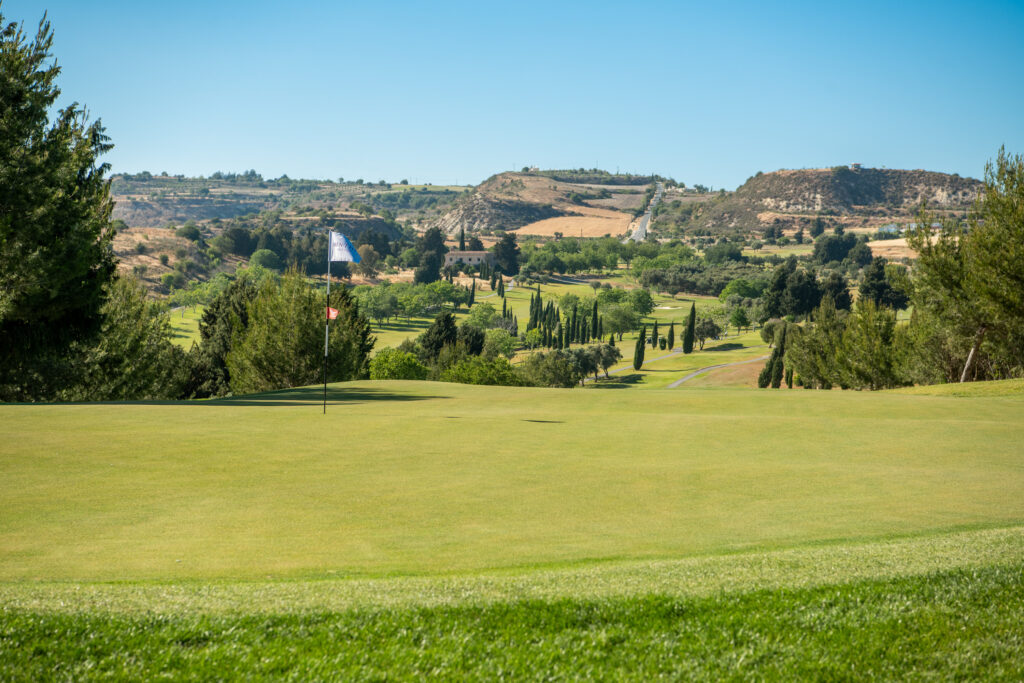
{"x":407,"y":477}
{"x":1008,"y":387}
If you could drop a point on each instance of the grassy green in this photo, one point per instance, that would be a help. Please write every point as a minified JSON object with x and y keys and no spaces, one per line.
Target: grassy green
{"x":956,"y":624}
{"x":185,"y":325}
{"x":416,"y":477}
{"x":460,"y":532}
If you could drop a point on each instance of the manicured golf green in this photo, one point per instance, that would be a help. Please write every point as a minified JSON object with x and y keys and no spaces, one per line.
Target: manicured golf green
{"x":428,"y":478}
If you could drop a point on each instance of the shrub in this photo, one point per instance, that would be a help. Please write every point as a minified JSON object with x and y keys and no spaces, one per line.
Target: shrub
{"x":395,"y":364}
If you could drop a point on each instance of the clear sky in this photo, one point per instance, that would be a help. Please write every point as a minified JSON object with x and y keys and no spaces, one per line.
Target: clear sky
{"x":448,"y":92}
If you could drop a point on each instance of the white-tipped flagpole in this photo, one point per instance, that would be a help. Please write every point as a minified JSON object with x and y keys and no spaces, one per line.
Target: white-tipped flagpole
{"x":327,"y":318}
{"x":338,"y":249}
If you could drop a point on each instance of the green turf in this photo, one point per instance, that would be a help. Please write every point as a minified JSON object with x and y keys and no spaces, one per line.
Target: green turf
{"x":427,"y":478}
{"x":961,"y":624}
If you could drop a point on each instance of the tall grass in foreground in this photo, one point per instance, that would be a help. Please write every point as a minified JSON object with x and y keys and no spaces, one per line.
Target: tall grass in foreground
{"x":958,"y":624}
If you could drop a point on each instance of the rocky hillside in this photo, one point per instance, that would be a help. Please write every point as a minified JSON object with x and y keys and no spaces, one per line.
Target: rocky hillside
{"x":844,"y":189}
{"x":853,"y":196}
{"x":481,"y":212}
{"x":523,"y":201}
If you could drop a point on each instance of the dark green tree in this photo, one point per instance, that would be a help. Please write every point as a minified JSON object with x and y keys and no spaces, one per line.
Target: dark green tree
{"x":877,"y":287}
{"x":836,"y":287}
{"x":56,"y":259}
{"x":506,"y":254}
{"x":227,"y":314}
{"x":462,"y":239}
{"x":134,"y":357}
{"x":671,"y":335}
{"x":638,"y":351}
{"x":689,"y":333}
{"x":442,"y":332}
{"x":283,"y":345}
{"x":654,"y":335}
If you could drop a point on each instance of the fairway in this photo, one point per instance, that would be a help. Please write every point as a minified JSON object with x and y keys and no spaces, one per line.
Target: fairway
{"x":429,"y":478}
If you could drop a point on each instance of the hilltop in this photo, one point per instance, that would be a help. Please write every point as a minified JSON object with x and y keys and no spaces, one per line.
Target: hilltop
{"x":852,"y":196}
{"x":548,"y":202}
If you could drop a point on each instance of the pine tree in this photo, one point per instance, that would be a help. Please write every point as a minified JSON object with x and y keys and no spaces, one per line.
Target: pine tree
{"x":688,"y":335}
{"x":654,"y":336}
{"x":638,"y":351}
{"x":671,"y":335}
{"x":56,"y":260}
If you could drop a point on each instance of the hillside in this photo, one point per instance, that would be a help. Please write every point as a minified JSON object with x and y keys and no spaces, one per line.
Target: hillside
{"x":857,"y":198}
{"x":538,"y":204}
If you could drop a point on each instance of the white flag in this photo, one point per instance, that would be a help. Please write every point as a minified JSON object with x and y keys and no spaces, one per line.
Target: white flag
{"x":342,"y":250}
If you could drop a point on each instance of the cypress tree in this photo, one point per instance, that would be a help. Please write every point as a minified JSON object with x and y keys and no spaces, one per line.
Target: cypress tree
{"x":671,"y":335}
{"x":654,"y":336}
{"x":504,"y":308}
{"x":462,"y":239}
{"x":558,"y":335}
{"x":593,"y":320}
{"x":600,"y":327}
{"x":584,"y":331}
{"x":611,"y":339}
{"x":691,"y":323}
{"x":573,"y":329}
{"x":472,"y":292}
{"x":638,"y":352}
{"x":777,"y":363}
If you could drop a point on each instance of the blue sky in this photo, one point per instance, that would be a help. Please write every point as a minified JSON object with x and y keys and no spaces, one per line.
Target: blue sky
{"x":454,"y":92}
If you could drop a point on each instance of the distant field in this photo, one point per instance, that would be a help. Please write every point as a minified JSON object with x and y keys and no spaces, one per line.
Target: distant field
{"x":892,"y":249}
{"x":787,"y":250}
{"x":185,"y":323}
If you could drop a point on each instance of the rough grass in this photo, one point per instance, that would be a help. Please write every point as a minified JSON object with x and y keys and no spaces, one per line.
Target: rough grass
{"x":418,"y":477}
{"x":958,"y":624}
{"x":1009,"y":387}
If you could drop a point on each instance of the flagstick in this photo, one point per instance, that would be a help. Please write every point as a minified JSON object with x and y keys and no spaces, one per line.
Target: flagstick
{"x":327,"y":318}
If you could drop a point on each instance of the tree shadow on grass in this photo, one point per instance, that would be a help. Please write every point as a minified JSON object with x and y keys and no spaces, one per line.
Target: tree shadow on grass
{"x":297,"y":397}
{"x":731,"y":346}
{"x":618,"y":382}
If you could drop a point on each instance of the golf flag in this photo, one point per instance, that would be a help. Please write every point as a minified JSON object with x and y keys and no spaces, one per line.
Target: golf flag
{"x":332,"y":313}
{"x":342,"y":250}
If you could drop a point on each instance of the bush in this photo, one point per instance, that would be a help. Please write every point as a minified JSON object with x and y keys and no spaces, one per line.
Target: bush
{"x":265,"y":259}
{"x":477,"y":370}
{"x":395,"y":364}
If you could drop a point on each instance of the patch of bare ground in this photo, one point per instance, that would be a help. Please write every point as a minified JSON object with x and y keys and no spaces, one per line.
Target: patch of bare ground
{"x":734,"y":376}
{"x":621,"y":202}
{"x":593,"y":222}
{"x":892,"y":249}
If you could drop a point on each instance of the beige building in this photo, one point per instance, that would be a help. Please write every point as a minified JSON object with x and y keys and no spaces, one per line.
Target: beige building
{"x":470,"y":258}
